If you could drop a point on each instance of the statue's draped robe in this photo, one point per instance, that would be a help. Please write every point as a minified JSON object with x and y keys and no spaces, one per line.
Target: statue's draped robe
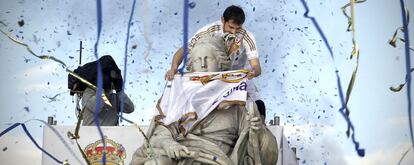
{"x":224,"y":134}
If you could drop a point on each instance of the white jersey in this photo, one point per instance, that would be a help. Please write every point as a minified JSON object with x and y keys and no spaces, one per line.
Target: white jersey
{"x":244,"y":39}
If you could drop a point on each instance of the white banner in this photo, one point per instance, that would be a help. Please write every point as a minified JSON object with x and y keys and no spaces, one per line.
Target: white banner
{"x":199,"y":93}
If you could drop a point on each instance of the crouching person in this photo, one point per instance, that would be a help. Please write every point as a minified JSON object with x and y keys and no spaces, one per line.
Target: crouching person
{"x":107,"y":115}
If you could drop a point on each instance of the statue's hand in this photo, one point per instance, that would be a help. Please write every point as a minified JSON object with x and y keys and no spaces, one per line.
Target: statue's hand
{"x":255,"y":123}
{"x":173,"y":151}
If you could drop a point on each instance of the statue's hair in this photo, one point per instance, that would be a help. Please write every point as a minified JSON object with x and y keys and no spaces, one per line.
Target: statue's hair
{"x":210,"y":46}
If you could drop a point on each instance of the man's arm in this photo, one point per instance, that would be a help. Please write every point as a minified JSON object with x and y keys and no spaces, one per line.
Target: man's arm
{"x":177,"y":59}
{"x":178,"y":56}
{"x":249,"y":43}
{"x":256,"y":69}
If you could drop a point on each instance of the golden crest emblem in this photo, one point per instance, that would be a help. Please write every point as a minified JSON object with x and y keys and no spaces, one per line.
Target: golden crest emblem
{"x":115,"y":152}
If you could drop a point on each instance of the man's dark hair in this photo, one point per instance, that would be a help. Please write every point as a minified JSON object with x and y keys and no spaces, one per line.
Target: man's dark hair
{"x":235,"y":13}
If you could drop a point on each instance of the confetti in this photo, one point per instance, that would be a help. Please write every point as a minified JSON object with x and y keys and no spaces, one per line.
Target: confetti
{"x":192,"y":5}
{"x":26,"y":109}
{"x":20,"y":23}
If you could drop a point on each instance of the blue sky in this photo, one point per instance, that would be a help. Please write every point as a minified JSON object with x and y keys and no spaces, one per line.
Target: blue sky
{"x":298,"y":81}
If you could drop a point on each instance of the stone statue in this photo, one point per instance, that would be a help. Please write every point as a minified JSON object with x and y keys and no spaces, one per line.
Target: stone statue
{"x":230,"y":134}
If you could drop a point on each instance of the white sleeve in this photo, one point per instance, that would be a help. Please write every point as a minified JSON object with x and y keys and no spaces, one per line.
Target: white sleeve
{"x":249,"y":44}
{"x":197,"y":36}
{"x":206,"y":30}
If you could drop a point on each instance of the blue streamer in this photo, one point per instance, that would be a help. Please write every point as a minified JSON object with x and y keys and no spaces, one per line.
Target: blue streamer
{"x":31,"y":138}
{"x":126,"y":60}
{"x":10,"y":128}
{"x":361,"y":152}
{"x":403,"y":156}
{"x":185,"y":46}
{"x":407,"y":67}
{"x":99,"y":81}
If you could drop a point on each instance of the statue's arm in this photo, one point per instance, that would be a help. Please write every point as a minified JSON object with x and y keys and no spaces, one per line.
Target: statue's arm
{"x":163,"y":137}
{"x":267,"y":144}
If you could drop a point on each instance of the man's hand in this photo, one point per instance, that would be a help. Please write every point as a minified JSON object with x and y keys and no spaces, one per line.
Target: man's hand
{"x":170,"y":74}
{"x":173,"y":151}
{"x":256,"y":69}
{"x":251,"y":74}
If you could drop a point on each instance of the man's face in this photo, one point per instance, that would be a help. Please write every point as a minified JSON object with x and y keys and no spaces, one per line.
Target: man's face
{"x":230,"y":26}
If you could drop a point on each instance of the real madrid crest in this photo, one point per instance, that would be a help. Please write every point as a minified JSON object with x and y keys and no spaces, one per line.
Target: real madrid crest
{"x":115,"y":152}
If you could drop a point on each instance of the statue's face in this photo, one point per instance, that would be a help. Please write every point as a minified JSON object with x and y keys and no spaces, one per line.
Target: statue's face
{"x":205,"y":54}
{"x":209,"y":54}
{"x":205,"y":62}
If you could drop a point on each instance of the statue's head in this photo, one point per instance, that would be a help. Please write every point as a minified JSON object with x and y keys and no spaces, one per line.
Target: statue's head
{"x":209,"y":54}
